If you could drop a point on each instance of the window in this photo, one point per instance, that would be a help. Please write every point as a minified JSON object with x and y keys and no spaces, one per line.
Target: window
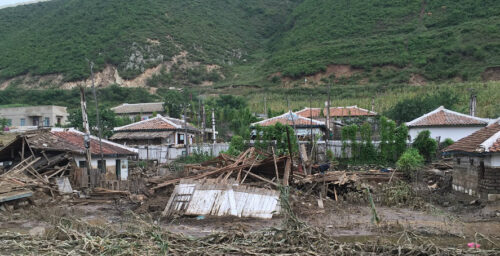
{"x":23,"y":122}
{"x":471,"y":161}
{"x":46,"y":122}
{"x":458,"y":160}
{"x":101,"y":166}
{"x":82,"y":164}
{"x":180,"y":138}
{"x":59,"y":120}
{"x":9,"y":122}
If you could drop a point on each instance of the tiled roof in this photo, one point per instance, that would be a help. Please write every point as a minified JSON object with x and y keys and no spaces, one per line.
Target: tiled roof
{"x":496,"y":146}
{"x":336,"y":112}
{"x":157,"y":123}
{"x":151,"y":107}
{"x":445,"y":117}
{"x":72,"y":141}
{"x":486,"y":139}
{"x":289,"y":119}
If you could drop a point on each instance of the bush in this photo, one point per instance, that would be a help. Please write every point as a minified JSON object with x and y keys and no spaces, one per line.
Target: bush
{"x":329,"y":155}
{"x":195,"y":157}
{"x":236,"y":146}
{"x":410,"y":161}
{"x":425,"y":145}
{"x":446,"y":143}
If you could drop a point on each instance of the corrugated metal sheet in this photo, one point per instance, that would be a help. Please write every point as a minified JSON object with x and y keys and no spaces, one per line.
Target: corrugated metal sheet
{"x":229,"y":199}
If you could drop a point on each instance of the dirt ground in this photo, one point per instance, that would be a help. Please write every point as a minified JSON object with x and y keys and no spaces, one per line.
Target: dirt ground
{"x":448,"y":220}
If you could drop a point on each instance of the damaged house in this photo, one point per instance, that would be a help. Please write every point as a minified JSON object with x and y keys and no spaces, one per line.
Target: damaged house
{"x":303,"y":126}
{"x":476,"y":168}
{"x":340,"y":116}
{"x":52,"y":149}
{"x":161,"y":138}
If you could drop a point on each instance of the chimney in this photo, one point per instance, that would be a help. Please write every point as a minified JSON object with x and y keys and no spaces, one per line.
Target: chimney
{"x":472,"y":105}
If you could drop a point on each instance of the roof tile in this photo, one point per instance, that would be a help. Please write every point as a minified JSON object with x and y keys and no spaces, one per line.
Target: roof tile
{"x":336,"y":112}
{"x":472,"y":142}
{"x":445,"y":117}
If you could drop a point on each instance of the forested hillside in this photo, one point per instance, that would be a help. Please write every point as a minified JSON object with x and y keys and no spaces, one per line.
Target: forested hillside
{"x":385,"y":40}
{"x":436,"y":39}
{"x":57,"y":36}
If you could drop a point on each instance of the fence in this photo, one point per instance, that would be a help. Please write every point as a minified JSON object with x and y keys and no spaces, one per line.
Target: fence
{"x":166,"y":154}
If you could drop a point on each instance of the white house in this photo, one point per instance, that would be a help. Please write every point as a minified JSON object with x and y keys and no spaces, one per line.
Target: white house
{"x":444,"y":123}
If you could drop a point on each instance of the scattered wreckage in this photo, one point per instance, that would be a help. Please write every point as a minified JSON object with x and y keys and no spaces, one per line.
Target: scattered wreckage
{"x":244,"y":186}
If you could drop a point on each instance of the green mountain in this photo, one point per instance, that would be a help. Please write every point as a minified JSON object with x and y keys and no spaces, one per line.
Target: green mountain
{"x":261,"y":43}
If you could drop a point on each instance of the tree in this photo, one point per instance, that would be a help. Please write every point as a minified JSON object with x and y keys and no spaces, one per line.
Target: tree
{"x":387,"y":135}
{"x":368,"y":151}
{"x":174,"y":101}
{"x":400,"y":140}
{"x":425,"y":145}
{"x":409,"y":109}
{"x":109,"y":120}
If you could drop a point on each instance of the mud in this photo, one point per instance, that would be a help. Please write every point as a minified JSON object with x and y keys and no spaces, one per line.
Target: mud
{"x":453,"y":225}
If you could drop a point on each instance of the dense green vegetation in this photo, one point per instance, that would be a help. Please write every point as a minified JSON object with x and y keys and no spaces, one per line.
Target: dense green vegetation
{"x":439,"y":39}
{"x":251,"y":39}
{"x":56,"y":36}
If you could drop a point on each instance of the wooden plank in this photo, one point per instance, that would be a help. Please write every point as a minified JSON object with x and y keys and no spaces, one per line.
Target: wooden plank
{"x":288,"y":166}
{"x":275,"y":166}
{"x":15,"y":195}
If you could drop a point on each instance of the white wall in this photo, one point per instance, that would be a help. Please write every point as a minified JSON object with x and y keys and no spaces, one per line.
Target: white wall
{"x":110,"y":163}
{"x":165,"y":154}
{"x":492,"y":160}
{"x":454,"y":133}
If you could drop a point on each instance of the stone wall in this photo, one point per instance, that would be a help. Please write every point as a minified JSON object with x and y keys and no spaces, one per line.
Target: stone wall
{"x":473,"y":178}
{"x":489,"y":185}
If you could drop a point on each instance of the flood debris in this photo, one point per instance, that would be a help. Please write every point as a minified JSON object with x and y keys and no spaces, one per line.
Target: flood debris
{"x":50,"y":161}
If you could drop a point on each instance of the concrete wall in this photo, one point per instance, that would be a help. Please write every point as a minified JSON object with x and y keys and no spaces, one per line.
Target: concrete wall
{"x":454,"y":133}
{"x":166,"y":154}
{"x":15,"y":115}
{"x":465,"y":175}
{"x":110,"y":166}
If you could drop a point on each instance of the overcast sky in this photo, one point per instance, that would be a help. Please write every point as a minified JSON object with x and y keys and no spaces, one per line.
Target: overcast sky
{"x":4,"y":3}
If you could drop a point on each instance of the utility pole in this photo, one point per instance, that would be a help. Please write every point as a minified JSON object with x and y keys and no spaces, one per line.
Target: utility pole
{"x":186,"y":136}
{"x":213,"y":127}
{"x":472,"y":103}
{"x":328,"y":116}
{"x":265,"y":106}
{"x":213,"y":132}
{"x":99,"y":127}
{"x":203,"y":124}
{"x":86,"y":137}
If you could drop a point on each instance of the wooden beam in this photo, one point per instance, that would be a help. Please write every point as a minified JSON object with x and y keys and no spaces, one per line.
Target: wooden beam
{"x":275,"y":166}
{"x":286,"y":175}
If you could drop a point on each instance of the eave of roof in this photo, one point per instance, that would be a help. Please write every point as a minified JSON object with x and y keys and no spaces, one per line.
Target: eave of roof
{"x":467,"y":120}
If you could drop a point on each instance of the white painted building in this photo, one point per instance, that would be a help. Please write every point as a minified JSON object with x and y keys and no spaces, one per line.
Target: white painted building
{"x":443,"y":123}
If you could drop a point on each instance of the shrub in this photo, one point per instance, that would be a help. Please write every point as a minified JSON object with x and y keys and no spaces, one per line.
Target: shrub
{"x":425,"y":145}
{"x":329,"y":155}
{"x":446,"y":143}
{"x":195,"y":157}
{"x":410,"y":161}
{"x":236,"y":146}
